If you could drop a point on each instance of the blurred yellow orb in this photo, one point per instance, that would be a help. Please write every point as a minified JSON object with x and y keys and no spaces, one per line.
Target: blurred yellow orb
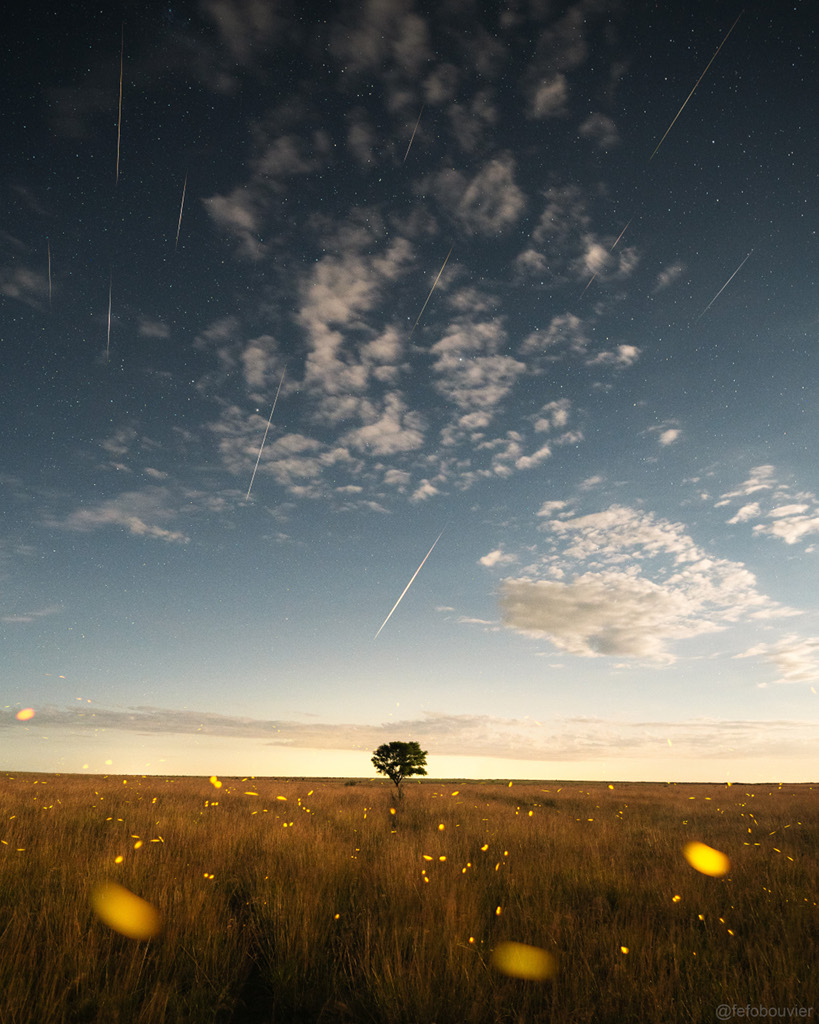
{"x":125,"y":912}
{"x":706,"y":859}
{"x":521,"y":961}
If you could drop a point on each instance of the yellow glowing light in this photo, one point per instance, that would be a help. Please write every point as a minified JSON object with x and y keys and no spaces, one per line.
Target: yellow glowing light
{"x":441,"y":827}
{"x":498,"y":911}
{"x":442,"y":858}
{"x":521,"y":961}
{"x":125,"y":912}
{"x":284,"y":797}
{"x":457,"y":791}
{"x":249,"y":792}
{"x":24,"y":714}
{"x":119,"y":860}
{"x":215,"y":782}
{"x":426,"y":856}
{"x":485,"y":847}
{"x":137,"y":844}
{"x":706,"y":860}
{"x":676,"y":899}
{"x":624,"y":949}
{"x":392,"y":810}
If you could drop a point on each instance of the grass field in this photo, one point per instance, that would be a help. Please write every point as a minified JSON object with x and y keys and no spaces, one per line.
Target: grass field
{"x":308,"y":900}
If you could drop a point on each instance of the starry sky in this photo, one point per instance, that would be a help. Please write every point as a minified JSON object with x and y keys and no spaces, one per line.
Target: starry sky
{"x":534,"y":282}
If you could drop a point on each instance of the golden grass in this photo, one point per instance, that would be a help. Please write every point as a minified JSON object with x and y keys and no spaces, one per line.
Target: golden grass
{"x":326,"y":907}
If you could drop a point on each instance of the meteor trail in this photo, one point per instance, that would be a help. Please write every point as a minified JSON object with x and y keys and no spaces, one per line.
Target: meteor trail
{"x":730,"y":279}
{"x":181,"y":208}
{"x":406,"y":588}
{"x":594,"y":275}
{"x":108,"y":346}
{"x":270,"y":417}
{"x":119,"y":119}
{"x":688,"y":97}
{"x":414,"y":130}
{"x":432,"y":289}
{"x":48,"y":243}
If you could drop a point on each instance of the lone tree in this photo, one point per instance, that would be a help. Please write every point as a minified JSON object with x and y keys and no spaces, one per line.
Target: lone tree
{"x":399,"y":760}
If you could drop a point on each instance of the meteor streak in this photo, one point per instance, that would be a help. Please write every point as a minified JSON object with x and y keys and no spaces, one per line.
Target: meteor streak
{"x":181,"y":208}
{"x":432,"y":289}
{"x":270,"y":417}
{"x":48,"y":243}
{"x":730,"y":279}
{"x":108,"y":346}
{"x":688,"y":97}
{"x":119,"y":119}
{"x":406,"y":588}
{"x":414,"y":130}
{"x":594,"y":275}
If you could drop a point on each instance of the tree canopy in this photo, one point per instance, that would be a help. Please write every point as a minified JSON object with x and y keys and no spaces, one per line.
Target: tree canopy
{"x":399,"y":760}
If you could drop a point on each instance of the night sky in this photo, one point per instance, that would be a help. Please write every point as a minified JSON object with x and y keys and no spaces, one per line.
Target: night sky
{"x":606,"y":410}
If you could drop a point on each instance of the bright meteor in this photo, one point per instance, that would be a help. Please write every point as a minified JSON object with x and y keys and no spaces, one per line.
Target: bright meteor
{"x":432,"y":289}
{"x":261,"y":448}
{"x":688,"y":97}
{"x":406,"y":588}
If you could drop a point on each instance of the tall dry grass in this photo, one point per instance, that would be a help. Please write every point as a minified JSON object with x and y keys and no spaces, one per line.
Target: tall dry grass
{"x":326,"y":907}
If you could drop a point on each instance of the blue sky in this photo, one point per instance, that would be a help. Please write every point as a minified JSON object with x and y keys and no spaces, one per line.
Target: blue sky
{"x":490,"y":315}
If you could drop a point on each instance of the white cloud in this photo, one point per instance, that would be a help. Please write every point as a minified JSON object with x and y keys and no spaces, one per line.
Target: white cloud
{"x":795,"y":516}
{"x":750,"y":511}
{"x":669,"y":436}
{"x":548,"y":98}
{"x":667,"y":276}
{"x":424,"y":491}
{"x":613,"y":607}
{"x":150,"y":328}
{"x":138,"y":512}
{"x":468,"y":368}
{"x":621,"y":357}
{"x":795,"y":658}
{"x":761,"y":479}
{"x":601,"y":130}
{"x":244,"y":26}
{"x":489,"y":203}
{"x":564,"y":329}
{"x":530,"y":461}
{"x":553,"y":415}
{"x":790,"y":527}
{"x":602,"y":614}
{"x":381,"y":35}
{"x":32,"y":616}
{"x":548,"y":508}
{"x":496,"y":557}
{"x":394,"y":430}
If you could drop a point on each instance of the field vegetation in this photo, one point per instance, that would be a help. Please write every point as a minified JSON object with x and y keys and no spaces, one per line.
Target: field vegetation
{"x":315,"y":900}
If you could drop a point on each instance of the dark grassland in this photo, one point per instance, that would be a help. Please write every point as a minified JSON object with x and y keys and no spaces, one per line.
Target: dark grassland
{"x":322,"y":907}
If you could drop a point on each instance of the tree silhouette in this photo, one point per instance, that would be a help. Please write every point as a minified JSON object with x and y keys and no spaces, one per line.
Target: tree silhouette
{"x":399,"y":760}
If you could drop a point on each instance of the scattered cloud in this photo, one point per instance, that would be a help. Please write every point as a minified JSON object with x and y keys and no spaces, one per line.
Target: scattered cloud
{"x":497,"y":557}
{"x":138,"y":512}
{"x":524,"y":738}
{"x":795,"y":658}
{"x":640,"y":584}
{"x":601,"y":130}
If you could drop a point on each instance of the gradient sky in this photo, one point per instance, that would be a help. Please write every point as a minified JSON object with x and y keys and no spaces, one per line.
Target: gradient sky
{"x":608,"y":404}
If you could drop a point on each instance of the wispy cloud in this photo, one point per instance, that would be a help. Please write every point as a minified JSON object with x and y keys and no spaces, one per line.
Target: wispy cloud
{"x":558,"y":739}
{"x":138,"y":512}
{"x":796,"y":658}
{"x":639,"y":584}
{"x":32,"y":616}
